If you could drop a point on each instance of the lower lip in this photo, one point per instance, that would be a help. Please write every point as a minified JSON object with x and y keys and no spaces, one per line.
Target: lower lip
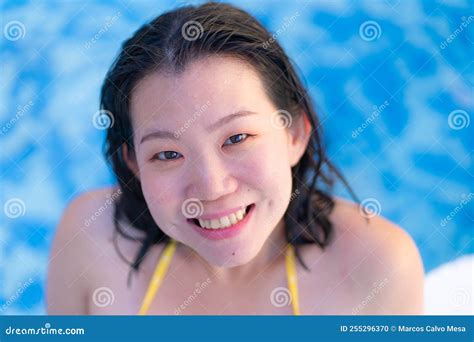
{"x":226,"y":233}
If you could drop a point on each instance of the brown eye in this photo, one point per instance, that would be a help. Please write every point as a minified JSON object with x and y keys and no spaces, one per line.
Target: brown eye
{"x":236,"y":139}
{"x":167,"y":155}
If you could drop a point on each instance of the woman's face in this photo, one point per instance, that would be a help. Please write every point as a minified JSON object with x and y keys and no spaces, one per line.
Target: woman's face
{"x":208,"y":141}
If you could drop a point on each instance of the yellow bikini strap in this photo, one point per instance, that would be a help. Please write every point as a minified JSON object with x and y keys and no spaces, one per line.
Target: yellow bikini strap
{"x":158,"y":276}
{"x":167,"y":255}
{"x":292,"y":279}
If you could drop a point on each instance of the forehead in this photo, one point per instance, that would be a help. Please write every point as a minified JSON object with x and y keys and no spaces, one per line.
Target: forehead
{"x":221,"y":84}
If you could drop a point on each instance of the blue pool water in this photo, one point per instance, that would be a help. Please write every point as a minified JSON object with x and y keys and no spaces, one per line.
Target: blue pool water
{"x":385,"y":78}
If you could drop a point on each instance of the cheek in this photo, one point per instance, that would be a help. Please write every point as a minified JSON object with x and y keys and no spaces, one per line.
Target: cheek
{"x":161,"y":196}
{"x":268,"y":170}
{"x":160,"y":193}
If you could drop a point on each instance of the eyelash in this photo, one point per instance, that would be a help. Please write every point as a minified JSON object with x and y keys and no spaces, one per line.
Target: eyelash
{"x":156,"y":156}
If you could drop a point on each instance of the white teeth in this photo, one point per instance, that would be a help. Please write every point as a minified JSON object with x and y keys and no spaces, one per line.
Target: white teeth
{"x":214,"y":224}
{"x":224,"y":221}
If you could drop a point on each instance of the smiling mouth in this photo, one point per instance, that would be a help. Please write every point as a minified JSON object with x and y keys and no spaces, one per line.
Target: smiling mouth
{"x":223,"y":222}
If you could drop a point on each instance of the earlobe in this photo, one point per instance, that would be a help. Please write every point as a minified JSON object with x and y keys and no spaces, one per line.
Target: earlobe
{"x":307,"y":124}
{"x":300,"y":134}
{"x":130,"y":159}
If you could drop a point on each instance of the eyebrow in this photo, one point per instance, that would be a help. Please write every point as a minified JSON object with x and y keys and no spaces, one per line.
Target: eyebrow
{"x":160,"y":134}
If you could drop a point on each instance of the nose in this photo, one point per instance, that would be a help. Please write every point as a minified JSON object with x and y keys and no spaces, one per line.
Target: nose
{"x":211,"y":179}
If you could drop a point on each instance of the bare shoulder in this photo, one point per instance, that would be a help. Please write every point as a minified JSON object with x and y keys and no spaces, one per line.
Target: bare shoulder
{"x":87,"y":218}
{"x":375,"y":261}
{"x":372,"y":231}
{"x":82,"y":250}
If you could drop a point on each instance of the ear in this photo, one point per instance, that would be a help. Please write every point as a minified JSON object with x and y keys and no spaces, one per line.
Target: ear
{"x":299,"y":133}
{"x":130,"y":159}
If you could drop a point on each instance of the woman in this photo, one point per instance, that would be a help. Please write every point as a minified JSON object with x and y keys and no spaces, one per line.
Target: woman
{"x":223,"y":203}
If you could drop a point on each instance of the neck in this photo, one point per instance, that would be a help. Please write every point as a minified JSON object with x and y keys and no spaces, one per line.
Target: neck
{"x":270,"y":254}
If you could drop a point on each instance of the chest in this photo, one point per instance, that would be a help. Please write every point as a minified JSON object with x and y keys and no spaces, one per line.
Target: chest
{"x":189,"y":290}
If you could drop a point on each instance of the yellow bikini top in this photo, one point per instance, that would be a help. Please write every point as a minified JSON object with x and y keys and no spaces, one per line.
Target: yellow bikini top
{"x":167,"y":255}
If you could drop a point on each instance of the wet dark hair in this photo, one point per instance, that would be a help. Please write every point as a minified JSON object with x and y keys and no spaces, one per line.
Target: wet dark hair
{"x":169,"y":43}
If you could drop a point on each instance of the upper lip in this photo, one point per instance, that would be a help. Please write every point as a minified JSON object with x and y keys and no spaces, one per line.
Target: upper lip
{"x":219,"y":214}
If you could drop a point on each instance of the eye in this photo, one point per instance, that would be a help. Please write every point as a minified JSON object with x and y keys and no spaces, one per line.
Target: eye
{"x":167,"y":155}
{"x":236,"y":139}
